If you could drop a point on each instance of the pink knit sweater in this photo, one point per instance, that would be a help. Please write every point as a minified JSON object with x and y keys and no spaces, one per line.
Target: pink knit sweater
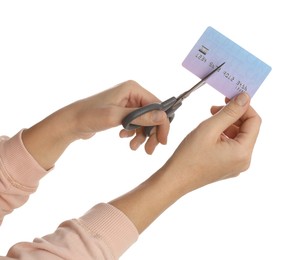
{"x":103,"y":232}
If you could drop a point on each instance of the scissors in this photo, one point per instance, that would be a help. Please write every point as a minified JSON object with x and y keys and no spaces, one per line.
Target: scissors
{"x":169,"y":106}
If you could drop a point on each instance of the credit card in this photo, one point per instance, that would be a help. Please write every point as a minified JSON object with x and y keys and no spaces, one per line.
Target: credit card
{"x":242,"y":71}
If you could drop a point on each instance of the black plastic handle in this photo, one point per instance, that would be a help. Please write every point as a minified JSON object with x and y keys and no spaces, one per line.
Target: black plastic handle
{"x":164,"y":106}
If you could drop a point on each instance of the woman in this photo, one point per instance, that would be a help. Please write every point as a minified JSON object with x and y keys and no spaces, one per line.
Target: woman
{"x":219,"y":148}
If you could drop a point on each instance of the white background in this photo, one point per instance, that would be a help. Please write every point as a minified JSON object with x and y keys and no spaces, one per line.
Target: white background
{"x":55,"y":52}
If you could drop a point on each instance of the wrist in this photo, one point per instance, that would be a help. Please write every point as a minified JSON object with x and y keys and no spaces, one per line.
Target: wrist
{"x":48,"y":139}
{"x":171,"y":183}
{"x":175,"y":179}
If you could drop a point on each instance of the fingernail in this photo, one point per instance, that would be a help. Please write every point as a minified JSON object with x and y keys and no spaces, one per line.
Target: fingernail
{"x":242,"y":99}
{"x":157,"y":116}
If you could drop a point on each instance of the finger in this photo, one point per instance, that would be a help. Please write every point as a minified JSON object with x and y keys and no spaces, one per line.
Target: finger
{"x":250,"y":111}
{"x":158,"y":135}
{"x":215,"y":109}
{"x":230,"y":113}
{"x":155,"y":117}
{"x":232,"y":131}
{"x":138,"y":140}
{"x":151,"y":144}
{"x":162,"y":132}
{"x":250,"y":127}
{"x":126,"y":133}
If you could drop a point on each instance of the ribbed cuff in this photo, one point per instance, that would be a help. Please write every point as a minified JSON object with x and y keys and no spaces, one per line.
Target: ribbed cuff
{"x":112,"y":225}
{"x":20,"y":167}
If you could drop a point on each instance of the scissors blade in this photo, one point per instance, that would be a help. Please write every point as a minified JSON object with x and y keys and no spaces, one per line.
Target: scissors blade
{"x":199,"y":84}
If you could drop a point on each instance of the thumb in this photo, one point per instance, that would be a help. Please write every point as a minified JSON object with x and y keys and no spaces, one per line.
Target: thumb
{"x":155,"y":117}
{"x":230,"y":113}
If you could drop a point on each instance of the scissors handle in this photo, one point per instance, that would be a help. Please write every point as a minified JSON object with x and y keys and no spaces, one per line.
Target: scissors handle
{"x":170,"y":113}
{"x":164,"y":106}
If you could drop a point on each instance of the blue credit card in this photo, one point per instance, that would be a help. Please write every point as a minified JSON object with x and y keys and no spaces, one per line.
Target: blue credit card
{"x":242,"y":71}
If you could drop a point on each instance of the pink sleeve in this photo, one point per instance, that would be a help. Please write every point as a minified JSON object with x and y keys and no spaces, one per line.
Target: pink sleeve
{"x":103,"y":232}
{"x":19,"y":174}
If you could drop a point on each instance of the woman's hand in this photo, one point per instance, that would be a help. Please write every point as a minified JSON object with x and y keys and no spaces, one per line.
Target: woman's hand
{"x":48,"y":139}
{"x":107,"y":109}
{"x":219,"y":148}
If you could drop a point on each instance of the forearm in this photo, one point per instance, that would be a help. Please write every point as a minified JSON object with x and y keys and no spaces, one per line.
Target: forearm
{"x":151,"y":198}
{"x":48,"y":139}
